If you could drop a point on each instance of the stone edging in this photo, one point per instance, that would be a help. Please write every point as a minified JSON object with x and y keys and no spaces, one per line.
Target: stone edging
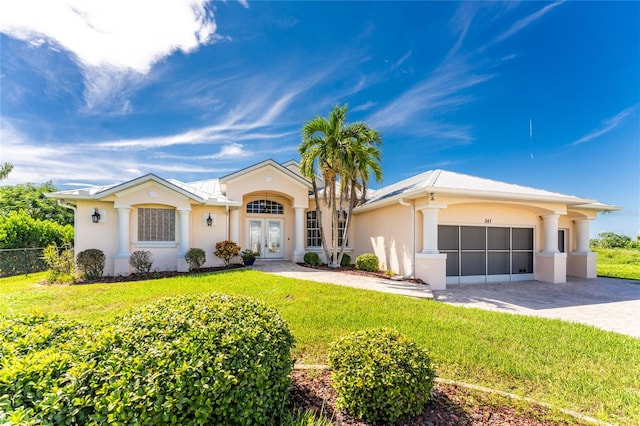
{"x":509,"y":395}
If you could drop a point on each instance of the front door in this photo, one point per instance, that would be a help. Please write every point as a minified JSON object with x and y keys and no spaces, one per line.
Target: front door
{"x":265,"y":236}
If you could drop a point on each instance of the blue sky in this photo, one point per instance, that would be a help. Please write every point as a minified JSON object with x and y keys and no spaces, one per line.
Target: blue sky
{"x":106,"y":91}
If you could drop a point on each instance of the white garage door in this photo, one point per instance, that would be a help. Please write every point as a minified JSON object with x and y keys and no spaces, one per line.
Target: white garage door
{"x":477,"y":254}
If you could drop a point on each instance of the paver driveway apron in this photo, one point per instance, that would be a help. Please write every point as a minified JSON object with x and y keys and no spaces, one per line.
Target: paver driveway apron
{"x":607,"y":303}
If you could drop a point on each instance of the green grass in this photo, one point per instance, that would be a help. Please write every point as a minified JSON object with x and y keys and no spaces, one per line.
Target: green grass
{"x":569,"y":365}
{"x":618,"y":263}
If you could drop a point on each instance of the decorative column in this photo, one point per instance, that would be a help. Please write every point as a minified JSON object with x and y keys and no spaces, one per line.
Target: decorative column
{"x":234,"y":226}
{"x":298,"y":251}
{"x":582,"y":235}
{"x":121,"y":259}
{"x":430,"y":230}
{"x":431,"y":265}
{"x":582,"y":262}
{"x":551,"y":265}
{"x":550,"y":233}
{"x":185,"y":216}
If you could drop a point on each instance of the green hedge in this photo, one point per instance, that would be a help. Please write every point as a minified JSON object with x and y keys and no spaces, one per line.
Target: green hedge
{"x":367,"y":262}
{"x":192,"y":360}
{"x":380,"y":375}
{"x":312,"y":258}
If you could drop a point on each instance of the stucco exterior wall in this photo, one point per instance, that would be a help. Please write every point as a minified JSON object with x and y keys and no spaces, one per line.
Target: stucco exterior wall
{"x":206,"y":237}
{"x":386,"y":232}
{"x":102,"y":236}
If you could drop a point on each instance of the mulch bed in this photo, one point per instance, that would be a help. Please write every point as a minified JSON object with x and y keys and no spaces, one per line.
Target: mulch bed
{"x":157,"y":275}
{"x":450,"y":405}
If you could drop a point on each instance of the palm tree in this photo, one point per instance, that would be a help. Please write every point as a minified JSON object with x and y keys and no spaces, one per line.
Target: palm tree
{"x":343,"y":153}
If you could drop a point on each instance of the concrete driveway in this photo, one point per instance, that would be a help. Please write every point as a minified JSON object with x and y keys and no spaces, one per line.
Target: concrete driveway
{"x":607,"y":303}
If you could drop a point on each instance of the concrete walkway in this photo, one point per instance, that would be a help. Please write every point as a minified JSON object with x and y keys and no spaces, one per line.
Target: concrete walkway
{"x":293,"y":270}
{"x":607,"y":303}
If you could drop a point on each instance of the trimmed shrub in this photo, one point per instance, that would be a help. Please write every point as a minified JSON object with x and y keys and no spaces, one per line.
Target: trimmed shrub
{"x":192,"y":360}
{"x":312,"y":258}
{"x":60,"y":262}
{"x":141,"y":261}
{"x":367,"y":262}
{"x":227,"y":250}
{"x":380,"y":375}
{"x":91,"y":263}
{"x":346,"y":260}
{"x":195,"y":257}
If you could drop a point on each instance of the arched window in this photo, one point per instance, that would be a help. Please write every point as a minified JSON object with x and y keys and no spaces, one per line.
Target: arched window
{"x":265,"y":207}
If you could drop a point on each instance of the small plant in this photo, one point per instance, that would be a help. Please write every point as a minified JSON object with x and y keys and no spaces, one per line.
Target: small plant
{"x":346,"y":260}
{"x":141,"y":261}
{"x":380,"y":375}
{"x":60,"y":263}
{"x":91,"y":263}
{"x":312,"y":258}
{"x":249,"y":256}
{"x":367,"y":262}
{"x":195,"y":258}
{"x":226,"y":250}
{"x":389,"y":273}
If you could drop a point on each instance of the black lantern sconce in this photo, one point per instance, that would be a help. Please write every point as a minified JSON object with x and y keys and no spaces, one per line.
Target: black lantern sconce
{"x":95,"y":217}
{"x":209,"y":220}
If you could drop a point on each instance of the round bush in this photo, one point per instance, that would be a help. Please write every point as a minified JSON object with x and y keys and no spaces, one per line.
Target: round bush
{"x":195,"y":258}
{"x":191,"y":360}
{"x":91,"y":263}
{"x":312,"y":258}
{"x":346,"y":260}
{"x":142,"y":261}
{"x":367,"y":262}
{"x":380,"y":375}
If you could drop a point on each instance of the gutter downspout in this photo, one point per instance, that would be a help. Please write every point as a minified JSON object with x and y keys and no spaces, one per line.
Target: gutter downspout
{"x":228,"y":222}
{"x":413,"y":236}
{"x":63,"y":203}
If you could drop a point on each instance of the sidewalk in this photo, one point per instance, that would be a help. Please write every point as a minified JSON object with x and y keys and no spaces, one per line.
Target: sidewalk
{"x":293,"y":270}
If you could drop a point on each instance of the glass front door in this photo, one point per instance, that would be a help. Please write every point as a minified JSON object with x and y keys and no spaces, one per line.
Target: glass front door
{"x":265,"y":236}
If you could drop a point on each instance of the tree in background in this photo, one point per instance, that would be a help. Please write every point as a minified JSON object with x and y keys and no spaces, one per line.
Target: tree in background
{"x":610,"y":240}
{"x":344,"y":154}
{"x":5,"y":169}
{"x":20,"y":230}
{"x":30,"y":199}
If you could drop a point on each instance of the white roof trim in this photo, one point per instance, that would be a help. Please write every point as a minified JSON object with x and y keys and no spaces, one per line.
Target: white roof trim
{"x":456,"y":184}
{"x":277,"y":166}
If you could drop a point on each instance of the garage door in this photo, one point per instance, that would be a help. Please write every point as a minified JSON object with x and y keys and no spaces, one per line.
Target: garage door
{"x":477,"y":254}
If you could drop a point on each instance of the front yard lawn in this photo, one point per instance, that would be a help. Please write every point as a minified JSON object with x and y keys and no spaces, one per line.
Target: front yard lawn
{"x":618,"y":263}
{"x":568,"y":365}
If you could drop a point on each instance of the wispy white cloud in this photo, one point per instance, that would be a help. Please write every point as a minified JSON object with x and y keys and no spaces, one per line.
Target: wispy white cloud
{"x":364,"y":107}
{"x":607,"y":126}
{"x":443,"y":89}
{"x":526,"y":21}
{"x":114,"y":43}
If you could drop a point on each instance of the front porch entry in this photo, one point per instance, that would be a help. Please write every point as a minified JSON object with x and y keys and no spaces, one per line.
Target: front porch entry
{"x":265,"y":235}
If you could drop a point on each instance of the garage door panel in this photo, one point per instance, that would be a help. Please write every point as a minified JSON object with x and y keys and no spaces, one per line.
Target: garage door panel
{"x":473,"y":263}
{"x":498,"y":263}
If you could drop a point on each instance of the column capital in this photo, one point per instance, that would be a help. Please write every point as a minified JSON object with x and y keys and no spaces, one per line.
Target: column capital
{"x":431,"y":207}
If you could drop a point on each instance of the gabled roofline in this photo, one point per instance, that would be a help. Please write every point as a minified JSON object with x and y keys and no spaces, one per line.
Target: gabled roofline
{"x":269,"y":162}
{"x":144,"y":179}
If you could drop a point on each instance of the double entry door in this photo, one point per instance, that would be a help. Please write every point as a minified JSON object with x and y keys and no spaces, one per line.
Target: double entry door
{"x":266,"y":237}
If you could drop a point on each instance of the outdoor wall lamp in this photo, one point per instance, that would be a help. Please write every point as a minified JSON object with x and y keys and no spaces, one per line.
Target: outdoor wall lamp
{"x":209,"y":220}
{"x":95,"y":217}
